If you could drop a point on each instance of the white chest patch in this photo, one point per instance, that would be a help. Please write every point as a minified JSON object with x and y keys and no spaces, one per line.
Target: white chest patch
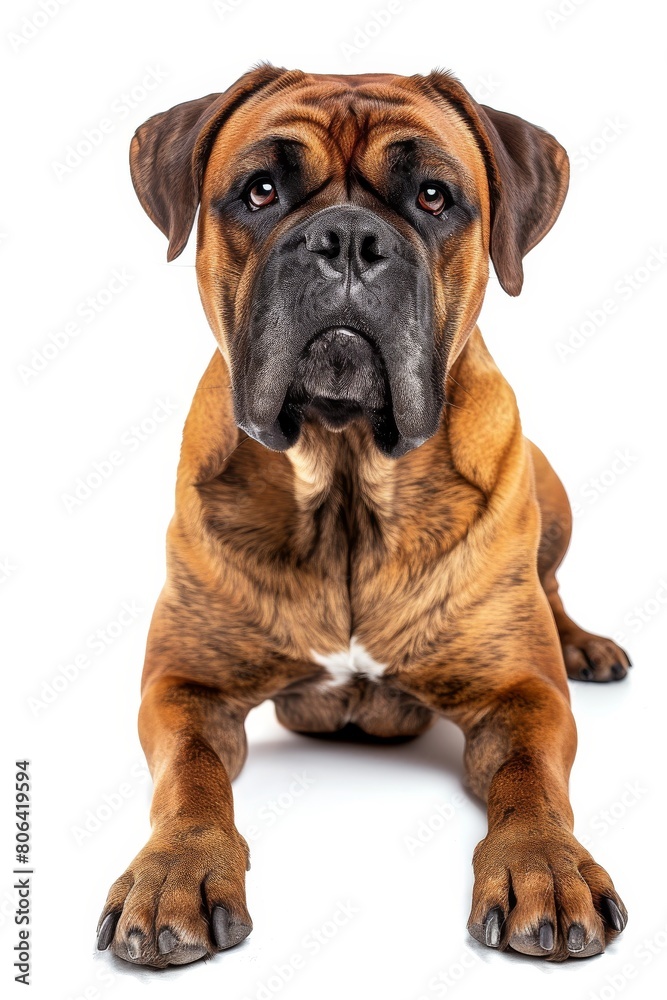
{"x":352,"y":662}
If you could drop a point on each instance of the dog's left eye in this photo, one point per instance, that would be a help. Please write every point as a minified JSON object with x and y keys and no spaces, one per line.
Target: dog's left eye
{"x":433,"y":198}
{"x":262,"y":193}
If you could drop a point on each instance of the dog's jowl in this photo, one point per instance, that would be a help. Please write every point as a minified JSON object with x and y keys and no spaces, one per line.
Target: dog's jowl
{"x":362,"y":533}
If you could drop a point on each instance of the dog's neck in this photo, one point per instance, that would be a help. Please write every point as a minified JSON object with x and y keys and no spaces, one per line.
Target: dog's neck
{"x":325,"y":461}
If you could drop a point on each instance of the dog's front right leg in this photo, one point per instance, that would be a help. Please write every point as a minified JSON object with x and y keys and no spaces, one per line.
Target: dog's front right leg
{"x":183,"y":896}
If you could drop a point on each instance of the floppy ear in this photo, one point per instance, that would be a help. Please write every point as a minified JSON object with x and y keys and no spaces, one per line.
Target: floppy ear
{"x":168,"y":154}
{"x":528,"y":173}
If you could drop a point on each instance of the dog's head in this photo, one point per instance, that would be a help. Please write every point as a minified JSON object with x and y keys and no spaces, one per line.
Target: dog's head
{"x":345,"y":228}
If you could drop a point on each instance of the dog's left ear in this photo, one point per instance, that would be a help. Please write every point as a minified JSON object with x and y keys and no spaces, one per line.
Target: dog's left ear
{"x":168,"y":154}
{"x":528,"y":174}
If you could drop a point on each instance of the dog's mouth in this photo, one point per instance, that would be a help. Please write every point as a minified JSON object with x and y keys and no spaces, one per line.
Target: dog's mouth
{"x":344,"y":372}
{"x":340,"y":376}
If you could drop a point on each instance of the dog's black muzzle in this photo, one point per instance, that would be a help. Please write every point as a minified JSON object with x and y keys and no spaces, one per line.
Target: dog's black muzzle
{"x":341,"y":327}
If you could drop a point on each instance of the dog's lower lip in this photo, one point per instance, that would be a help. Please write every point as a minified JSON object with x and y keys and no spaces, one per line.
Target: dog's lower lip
{"x":347,"y":331}
{"x":344,"y":330}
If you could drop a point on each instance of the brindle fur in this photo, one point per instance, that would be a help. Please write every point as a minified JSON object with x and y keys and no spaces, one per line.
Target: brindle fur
{"x":442,"y":563}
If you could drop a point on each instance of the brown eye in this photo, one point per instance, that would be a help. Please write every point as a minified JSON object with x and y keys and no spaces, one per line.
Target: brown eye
{"x":261,"y":194}
{"x":433,"y":199}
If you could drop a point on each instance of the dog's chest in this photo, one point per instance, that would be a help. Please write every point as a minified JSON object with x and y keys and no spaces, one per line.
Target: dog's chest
{"x":353,"y":662}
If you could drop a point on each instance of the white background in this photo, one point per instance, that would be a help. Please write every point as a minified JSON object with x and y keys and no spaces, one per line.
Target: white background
{"x":67,"y":574}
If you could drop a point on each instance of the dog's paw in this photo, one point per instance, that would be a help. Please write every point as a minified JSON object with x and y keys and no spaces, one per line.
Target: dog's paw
{"x":547,"y":898}
{"x":593,"y":658}
{"x":181,"y":899}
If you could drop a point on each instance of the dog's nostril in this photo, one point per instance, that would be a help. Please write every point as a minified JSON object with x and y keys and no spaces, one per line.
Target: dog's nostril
{"x":331,"y":245}
{"x":369,"y":250}
{"x":326,"y":244}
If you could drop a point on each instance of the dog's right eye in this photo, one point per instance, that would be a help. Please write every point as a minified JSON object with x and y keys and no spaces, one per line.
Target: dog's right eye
{"x":433,"y":199}
{"x":261,"y":193}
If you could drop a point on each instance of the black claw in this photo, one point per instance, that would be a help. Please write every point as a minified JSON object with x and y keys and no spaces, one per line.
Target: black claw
{"x":617,"y":670}
{"x":107,"y":930}
{"x":612,"y":914}
{"x":220,"y":924}
{"x":626,"y":656}
{"x":133,"y":944}
{"x":226,"y":931}
{"x":166,"y":941}
{"x":586,"y":673}
{"x":546,"y":936}
{"x":576,"y":938}
{"x":492,"y":927}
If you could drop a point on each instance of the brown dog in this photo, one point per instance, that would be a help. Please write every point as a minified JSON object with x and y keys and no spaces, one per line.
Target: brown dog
{"x":362,"y":533}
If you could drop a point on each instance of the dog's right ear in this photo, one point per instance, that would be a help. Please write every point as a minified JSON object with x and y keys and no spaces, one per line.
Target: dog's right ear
{"x":168,"y":154}
{"x":528,"y":173}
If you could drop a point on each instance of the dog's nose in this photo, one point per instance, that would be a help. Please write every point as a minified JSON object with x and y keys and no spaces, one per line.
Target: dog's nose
{"x":349,"y":242}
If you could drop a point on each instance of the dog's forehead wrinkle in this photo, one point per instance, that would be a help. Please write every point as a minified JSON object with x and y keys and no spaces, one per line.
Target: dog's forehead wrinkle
{"x":381,"y":88}
{"x":354,"y":127}
{"x":424,"y":150}
{"x":279,"y":145}
{"x":341,"y":110}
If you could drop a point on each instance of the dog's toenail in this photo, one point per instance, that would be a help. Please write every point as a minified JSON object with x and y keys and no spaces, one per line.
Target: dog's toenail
{"x":226,"y":931}
{"x":492,"y":927}
{"x":576,"y":938}
{"x":612,"y":914}
{"x":133,"y":945}
{"x":546,"y":936}
{"x":166,"y":941}
{"x":107,"y":929}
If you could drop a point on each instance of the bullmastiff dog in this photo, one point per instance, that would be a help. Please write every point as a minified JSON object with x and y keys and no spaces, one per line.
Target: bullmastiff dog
{"x":362,"y":533}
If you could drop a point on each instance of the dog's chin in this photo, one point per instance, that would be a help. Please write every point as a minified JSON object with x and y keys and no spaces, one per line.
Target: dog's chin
{"x":340,"y":378}
{"x":337,"y":414}
{"x":333,"y":414}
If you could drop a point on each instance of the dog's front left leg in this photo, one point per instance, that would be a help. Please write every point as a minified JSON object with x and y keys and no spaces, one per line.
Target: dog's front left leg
{"x":183,"y":896}
{"x":537,"y":889}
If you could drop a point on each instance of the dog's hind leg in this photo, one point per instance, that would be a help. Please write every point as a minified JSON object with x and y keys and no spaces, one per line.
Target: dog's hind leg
{"x":587,"y":657}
